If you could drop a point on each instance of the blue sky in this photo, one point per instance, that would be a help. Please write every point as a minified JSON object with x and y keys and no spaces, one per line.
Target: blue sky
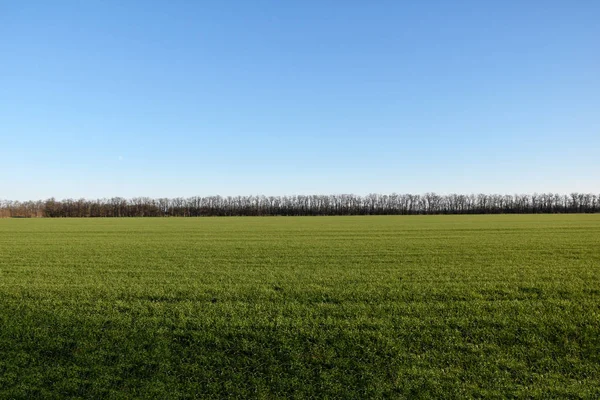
{"x":182,"y":98}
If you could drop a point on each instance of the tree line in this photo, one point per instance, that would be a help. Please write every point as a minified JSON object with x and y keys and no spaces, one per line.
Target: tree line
{"x":305,"y":205}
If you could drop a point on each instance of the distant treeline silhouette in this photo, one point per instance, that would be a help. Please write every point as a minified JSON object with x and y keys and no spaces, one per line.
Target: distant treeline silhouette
{"x":309,"y":205}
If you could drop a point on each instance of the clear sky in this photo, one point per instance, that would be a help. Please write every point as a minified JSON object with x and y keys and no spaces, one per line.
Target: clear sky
{"x":182,"y":98}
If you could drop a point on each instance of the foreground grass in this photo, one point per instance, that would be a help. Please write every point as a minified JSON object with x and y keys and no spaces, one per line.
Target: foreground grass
{"x":352,"y":307}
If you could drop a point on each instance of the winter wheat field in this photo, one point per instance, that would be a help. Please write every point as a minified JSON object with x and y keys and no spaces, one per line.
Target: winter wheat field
{"x":278,"y":307}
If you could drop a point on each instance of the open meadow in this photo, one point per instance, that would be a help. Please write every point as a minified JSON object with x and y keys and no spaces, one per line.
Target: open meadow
{"x":273,"y":307}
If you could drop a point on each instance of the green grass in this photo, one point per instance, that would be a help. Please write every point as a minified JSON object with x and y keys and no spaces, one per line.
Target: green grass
{"x":338,"y":307}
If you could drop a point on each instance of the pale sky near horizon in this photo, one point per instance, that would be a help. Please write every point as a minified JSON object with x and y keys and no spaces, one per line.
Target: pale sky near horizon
{"x":183,"y":98}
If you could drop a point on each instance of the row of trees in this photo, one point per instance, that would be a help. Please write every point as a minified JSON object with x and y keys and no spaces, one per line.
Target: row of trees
{"x":343,"y":204}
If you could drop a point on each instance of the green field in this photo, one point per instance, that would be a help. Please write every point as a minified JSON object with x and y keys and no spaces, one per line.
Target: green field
{"x":338,"y":307}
